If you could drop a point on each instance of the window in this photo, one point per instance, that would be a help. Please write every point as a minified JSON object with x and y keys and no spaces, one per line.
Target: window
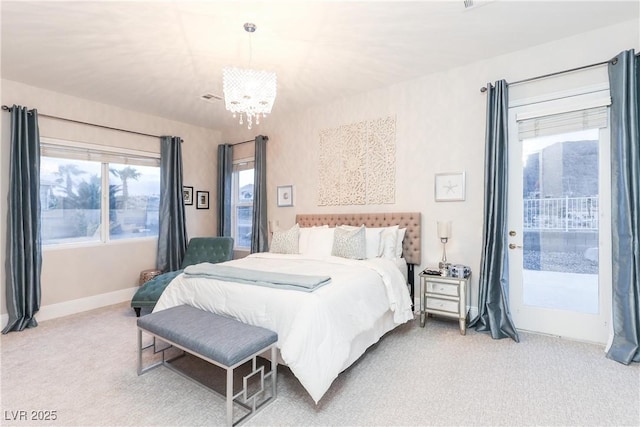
{"x":91,"y":193}
{"x":242,"y":203}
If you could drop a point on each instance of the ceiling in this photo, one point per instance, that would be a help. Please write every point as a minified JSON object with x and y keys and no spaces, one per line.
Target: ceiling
{"x":160,"y":57}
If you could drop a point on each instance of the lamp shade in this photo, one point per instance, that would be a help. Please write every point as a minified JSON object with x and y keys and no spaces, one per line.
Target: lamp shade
{"x":249,"y":92}
{"x":444,"y":229}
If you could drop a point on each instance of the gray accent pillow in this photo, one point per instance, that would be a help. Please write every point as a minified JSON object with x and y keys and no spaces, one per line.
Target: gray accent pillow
{"x":285,"y":242}
{"x":350,"y":243}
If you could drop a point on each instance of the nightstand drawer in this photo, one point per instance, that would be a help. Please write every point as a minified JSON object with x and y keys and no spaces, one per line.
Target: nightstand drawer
{"x":442,"y":305}
{"x":443,"y":289}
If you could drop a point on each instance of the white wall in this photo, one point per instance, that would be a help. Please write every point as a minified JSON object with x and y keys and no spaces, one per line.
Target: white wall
{"x":440,"y":128}
{"x":91,"y":272}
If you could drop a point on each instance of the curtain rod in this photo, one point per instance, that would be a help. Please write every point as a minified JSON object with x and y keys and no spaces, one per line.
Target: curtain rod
{"x":6,"y":108}
{"x":242,"y":142}
{"x":597,"y":64}
{"x":266,"y":138}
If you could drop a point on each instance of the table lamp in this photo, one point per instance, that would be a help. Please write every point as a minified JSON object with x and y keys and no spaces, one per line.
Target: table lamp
{"x":444,"y":233}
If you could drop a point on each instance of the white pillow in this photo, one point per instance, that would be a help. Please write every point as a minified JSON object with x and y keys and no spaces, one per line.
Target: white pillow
{"x":388,"y":242}
{"x":399,"y":238}
{"x":372,"y":237}
{"x":285,"y":242}
{"x":305,"y":235}
{"x":349,"y":243}
{"x":320,"y":242}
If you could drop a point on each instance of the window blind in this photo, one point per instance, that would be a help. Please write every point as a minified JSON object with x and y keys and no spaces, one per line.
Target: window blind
{"x":571,"y":121}
{"x":243,"y":165}
{"x":98,"y":153}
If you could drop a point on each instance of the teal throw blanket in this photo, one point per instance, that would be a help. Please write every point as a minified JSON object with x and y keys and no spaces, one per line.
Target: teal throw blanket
{"x":297,"y":282}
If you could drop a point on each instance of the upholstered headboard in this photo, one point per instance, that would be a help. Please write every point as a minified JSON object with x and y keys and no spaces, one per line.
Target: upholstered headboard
{"x":408,"y":220}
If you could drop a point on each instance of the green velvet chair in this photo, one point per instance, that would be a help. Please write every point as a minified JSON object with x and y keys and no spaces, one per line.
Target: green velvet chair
{"x":200,"y":249}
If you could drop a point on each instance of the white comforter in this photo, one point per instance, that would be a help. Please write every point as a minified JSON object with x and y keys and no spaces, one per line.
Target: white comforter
{"x":315,"y":329}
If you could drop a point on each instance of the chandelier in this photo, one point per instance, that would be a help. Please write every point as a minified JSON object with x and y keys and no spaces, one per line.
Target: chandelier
{"x":248,"y":93}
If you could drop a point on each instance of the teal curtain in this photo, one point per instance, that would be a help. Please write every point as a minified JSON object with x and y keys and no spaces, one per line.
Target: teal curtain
{"x":493,"y":304}
{"x":24,"y":245}
{"x":172,"y":234}
{"x":225,"y":179}
{"x":259,"y":234}
{"x":624,"y":76}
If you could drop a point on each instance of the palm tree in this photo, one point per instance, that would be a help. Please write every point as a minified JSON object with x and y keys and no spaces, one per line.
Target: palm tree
{"x":125,"y":174}
{"x":89,"y":193}
{"x":65,"y":175}
{"x":85,"y":203}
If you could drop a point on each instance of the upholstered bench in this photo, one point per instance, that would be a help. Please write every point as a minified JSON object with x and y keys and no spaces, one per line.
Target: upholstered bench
{"x":200,"y":249}
{"x":220,"y":340}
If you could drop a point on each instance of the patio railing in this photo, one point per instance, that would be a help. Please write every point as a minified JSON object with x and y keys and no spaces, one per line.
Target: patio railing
{"x":562,"y":214}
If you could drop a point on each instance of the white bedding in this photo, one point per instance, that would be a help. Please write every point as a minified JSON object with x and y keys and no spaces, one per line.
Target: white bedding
{"x":319,"y":332}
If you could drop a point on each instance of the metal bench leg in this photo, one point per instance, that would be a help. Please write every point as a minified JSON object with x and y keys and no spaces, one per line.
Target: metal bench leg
{"x":139,"y":351}
{"x":229,"y":396}
{"x":274,"y":371}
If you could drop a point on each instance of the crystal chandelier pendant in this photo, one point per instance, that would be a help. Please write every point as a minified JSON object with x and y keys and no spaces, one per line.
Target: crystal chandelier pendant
{"x":249,"y":92}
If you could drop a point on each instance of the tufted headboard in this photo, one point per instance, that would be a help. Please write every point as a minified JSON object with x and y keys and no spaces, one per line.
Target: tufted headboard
{"x":408,"y":220}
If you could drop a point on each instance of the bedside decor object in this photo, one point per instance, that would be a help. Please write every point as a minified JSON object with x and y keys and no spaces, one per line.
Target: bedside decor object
{"x":431,"y":272}
{"x":449,"y":187}
{"x":285,"y":195}
{"x":444,"y":234}
{"x":202,"y":200}
{"x":459,"y":271}
{"x":187,"y":193}
{"x":249,"y":93}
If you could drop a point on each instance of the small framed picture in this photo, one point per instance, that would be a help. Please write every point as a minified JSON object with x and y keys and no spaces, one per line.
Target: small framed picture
{"x":187,"y":193}
{"x":449,"y":187}
{"x":285,"y":195}
{"x":202,"y":199}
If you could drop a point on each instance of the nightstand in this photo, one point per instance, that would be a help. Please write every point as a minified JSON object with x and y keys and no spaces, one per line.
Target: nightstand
{"x":444,"y":296}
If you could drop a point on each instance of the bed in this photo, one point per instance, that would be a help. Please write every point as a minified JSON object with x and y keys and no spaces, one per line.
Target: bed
{"x":323,"y":332}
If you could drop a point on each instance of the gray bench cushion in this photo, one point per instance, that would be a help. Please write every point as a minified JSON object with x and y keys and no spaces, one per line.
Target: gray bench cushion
{"x":224,"y":340}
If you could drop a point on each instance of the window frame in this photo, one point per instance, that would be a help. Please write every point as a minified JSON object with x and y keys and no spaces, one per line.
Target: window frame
{"x":104,"y":156}
{"x":235,"y":200}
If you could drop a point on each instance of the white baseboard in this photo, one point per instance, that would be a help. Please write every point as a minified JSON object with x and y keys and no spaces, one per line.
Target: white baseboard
{"x":67,"y":308}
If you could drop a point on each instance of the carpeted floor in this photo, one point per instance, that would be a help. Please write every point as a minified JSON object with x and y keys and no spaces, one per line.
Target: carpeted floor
{"x":83,"y":367}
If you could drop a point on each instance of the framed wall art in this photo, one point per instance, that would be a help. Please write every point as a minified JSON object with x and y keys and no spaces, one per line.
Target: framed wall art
{"x":187,"y":193}
{"x":285,"y":195}
{"x":449,"y":187}
{"x":202,"y":199}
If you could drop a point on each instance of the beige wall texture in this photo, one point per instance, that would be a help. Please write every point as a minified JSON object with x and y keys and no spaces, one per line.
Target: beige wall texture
{"x":440,"y":127}
{"x":78,"y":272}
{"x":440,"y":122}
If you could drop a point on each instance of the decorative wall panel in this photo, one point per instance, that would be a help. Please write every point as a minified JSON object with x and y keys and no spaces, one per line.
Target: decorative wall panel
{"x":381,"y":161}
{"x":353,"y":164}
{"x":358,"y":163}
